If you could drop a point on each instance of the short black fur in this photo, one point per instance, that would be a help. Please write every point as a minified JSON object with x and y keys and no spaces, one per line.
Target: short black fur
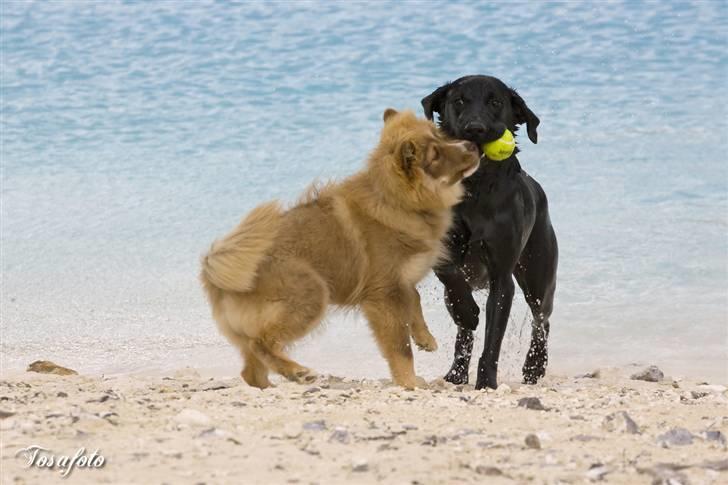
{"x":501,"y":229}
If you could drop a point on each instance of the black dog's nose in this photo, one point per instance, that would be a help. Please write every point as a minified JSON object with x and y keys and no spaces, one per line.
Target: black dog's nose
{"x":475,"y":129}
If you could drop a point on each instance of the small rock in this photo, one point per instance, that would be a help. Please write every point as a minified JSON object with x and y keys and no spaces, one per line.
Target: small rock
{"x":6,"y":414}
{"x":62,"y":394}
{"x":490,"y":471}
{"x":649,"y":374}
{"x":698,"y":394}
{"x":192,"y":417}
{"x":620,"y":422}
{"x":434,"y":440}
{"x":531,"y":403}
{"x":532,"y":441}
{"x":311,"y":390}
{"x":341,"y":435}
{"x":675,"y":437}
{"x":715,"y":436}
{"x":111,"y":417}
{"x":597,"y":472}
{"x":48,"y":367}
{"x":214,"y":385}
{"x":360,"y":465}
{"x":318,"y":425}
{"x":106,"y":396}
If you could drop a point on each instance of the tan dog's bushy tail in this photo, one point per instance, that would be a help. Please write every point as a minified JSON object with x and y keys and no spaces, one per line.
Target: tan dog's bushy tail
{"x":232,"y":262}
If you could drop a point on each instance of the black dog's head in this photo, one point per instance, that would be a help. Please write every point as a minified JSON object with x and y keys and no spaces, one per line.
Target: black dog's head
{"x":479,"y":109}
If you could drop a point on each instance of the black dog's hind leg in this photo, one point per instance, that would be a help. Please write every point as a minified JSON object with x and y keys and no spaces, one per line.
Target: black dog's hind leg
{"x":536,"y":275}
{"x":464,"y":312}
{"x":497,"y":311}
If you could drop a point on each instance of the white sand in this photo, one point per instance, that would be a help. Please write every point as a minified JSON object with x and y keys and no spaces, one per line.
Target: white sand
{"x":186,"y":428}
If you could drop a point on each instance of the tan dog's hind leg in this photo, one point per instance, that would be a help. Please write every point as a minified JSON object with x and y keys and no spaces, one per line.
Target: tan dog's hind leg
{"x":420,"y":333}
{"x":255,"y":372}
{"x":304,"y":296}
{"x":389,"y":324}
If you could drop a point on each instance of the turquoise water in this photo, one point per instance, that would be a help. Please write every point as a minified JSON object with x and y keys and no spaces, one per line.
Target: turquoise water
{"x":135,"y":133}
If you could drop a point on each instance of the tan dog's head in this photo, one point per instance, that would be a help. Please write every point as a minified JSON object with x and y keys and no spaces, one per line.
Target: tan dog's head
{"x":420,"y":165}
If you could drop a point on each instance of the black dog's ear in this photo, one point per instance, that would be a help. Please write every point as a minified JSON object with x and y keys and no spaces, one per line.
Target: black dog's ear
{"x":522,"y":114}
{"x":433,"y":102}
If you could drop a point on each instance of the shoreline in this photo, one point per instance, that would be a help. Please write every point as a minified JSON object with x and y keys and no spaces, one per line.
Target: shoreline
{"x":188,"y":427}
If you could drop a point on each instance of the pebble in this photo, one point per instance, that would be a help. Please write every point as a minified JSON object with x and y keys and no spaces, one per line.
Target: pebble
{"x":340,"y":435}
{"x":715,"y":436}
{"x":214,"y":385}
{"x":488,"y":470}
{"x":192,"y":417}
{"x":649,"y":374}
{"x":360,"y":465}
{"x":597,"y":472}
{"x":675,"y":437}
{"x":531,"y":403}
{"x":318,"y":425}
{"x":620,"y":422}
{"x":533,"y":442}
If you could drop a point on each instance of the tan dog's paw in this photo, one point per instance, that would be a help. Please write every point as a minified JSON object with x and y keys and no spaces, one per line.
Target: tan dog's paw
{"x":425,"y":342}
{"x":303,"y":376}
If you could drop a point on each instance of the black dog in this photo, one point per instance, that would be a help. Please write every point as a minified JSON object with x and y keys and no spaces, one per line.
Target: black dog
{"x":501,"y":228}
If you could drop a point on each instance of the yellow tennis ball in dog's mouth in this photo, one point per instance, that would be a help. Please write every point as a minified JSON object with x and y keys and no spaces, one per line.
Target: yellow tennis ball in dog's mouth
{"x":501,"y":148}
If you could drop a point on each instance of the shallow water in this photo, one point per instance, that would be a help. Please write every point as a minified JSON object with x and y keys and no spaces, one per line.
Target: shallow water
{"x":133,"y":134}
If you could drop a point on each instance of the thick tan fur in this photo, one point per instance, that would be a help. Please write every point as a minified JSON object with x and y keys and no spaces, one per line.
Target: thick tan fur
{"x":364,"y":242}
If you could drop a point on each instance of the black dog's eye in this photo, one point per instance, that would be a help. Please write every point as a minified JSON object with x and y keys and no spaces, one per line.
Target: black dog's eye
{"x":495,"y":103}
{"x":459,"y":102}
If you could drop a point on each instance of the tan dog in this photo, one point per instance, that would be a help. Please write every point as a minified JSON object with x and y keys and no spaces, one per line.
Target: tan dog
{"x":363,"y":242}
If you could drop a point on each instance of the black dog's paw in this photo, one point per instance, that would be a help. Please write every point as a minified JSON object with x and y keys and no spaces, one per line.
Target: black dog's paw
{"x":533,"y":372}
{"x":458,"y":374}
{"x":487,"y":377}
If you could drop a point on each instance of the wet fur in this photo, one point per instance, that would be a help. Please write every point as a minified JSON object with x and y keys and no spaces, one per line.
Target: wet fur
{"x":501,"y":229}
{"x":364,"y":242}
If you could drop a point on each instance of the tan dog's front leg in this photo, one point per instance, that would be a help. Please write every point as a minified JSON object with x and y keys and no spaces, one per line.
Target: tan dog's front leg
{"x":387,"y":318}
{"x":420,"y":333}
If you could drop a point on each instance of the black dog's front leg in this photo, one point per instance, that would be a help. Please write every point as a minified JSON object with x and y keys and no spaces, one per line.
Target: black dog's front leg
{"x":497,"y":311}
{"x":464,"y":312}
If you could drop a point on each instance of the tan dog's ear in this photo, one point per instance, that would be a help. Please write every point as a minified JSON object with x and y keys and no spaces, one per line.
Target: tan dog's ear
{"x":407,"y":156}
{"x":388,"y":113}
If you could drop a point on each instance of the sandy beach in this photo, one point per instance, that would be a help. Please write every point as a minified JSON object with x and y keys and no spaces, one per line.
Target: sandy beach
{"x":191,"y":428}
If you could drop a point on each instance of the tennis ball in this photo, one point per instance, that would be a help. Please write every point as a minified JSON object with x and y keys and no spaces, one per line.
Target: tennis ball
{"x":501,"y":148}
